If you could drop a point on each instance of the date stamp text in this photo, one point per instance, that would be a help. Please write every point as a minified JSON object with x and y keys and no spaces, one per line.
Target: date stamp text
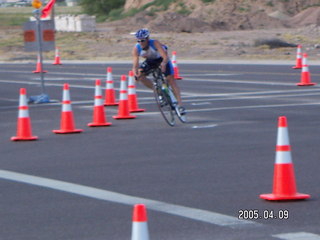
{"x":254,"y":214}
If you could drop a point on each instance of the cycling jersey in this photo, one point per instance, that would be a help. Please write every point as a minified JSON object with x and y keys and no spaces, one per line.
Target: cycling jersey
{"x":151,"y":52}
{"x":153,"y":57}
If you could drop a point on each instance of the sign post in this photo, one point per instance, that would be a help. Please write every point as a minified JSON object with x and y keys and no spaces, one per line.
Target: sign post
{"x":35,"y":42}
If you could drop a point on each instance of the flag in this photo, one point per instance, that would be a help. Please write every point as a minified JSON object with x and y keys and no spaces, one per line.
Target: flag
{"x":47,"y":9}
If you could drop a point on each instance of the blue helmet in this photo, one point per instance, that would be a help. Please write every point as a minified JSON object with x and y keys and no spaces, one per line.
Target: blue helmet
{"x":142,"y":33}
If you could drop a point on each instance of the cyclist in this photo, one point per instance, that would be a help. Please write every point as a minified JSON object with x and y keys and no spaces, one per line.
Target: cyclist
{"x":155,"y":54}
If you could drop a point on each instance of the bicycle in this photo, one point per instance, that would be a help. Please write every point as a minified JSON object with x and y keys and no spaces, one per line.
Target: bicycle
{"x":166,"y":101}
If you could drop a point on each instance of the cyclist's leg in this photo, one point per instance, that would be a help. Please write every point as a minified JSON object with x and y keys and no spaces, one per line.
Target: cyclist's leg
{"x":175,"y":88}
{"x":145,"y":81}
{"x":170,"y":77}
{"x":177,"y":93}
{"x":144,"y":67}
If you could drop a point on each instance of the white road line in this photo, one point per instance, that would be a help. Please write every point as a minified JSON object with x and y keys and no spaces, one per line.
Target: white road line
{"x":298,"y":236}
{"x":37,"y":82}
{"x":72,"y":85}
{"x":211,"y":74}
{"x":275,"y":96}
{"x":240,"y":81}
{"x":252,"y":107}
{"x":233,"y":94}
{"x":187,"y":212}
{"x":66,"y":73}
{"x":184,"y":93}
{"x":200,"y":103}
{"x":205,"y":126}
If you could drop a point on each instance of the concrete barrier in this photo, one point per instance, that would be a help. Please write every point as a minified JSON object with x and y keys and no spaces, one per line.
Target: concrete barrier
{"x":75,"y":23}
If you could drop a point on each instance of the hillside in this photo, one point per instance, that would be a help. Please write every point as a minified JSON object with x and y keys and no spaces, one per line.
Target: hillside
{"x":221,"y":29}
{"x":198,"y":16}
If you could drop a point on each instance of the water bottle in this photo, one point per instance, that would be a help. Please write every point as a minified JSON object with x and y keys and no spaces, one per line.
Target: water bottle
{"x":165,"y":88}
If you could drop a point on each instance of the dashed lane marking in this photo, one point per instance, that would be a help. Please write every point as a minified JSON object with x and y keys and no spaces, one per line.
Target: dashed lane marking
{"x":204,"y":126}
{"x":200,"y":103}
{"x":298,"y":236}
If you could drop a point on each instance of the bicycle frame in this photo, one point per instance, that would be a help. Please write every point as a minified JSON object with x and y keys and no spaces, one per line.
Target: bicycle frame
{"x":165,"y":97}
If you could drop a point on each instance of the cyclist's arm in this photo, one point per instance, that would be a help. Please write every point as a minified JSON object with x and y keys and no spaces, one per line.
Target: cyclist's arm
{"x":162,"y":52}
{"x":135,"y":65}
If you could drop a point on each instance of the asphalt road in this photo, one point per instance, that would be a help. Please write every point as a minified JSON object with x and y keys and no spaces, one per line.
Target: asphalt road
{"x":195,"y":178}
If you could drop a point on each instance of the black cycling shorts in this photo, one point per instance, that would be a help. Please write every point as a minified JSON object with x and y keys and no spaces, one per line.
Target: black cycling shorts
{"x":149,"y":64}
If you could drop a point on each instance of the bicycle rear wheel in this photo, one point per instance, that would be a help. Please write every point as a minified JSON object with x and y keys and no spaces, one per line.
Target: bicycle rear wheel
{"x":164,"y":106}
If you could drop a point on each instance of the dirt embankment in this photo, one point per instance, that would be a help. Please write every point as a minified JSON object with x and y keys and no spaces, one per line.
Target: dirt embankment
{"x":235,"y":33}
{"x":229,"y":29}
{"x":223,"y":15}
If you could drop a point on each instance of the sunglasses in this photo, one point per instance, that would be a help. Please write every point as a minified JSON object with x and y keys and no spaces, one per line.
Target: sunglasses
{"x":141,"y":40}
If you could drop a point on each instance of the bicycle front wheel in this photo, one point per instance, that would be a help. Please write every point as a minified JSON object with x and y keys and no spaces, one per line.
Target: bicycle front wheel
{"x":164,"y":106}
{"x":182,"y":118}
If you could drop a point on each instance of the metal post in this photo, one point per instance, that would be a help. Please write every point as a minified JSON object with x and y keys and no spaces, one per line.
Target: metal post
{"x":43,"y":98}
{"x":37,"y":16}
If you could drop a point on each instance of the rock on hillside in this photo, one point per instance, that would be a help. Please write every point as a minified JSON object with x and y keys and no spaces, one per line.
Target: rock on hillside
{"x":197,"y":16}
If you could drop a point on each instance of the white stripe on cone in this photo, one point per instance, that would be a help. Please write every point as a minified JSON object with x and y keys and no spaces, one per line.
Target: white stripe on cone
{"x":283,"y":154}
{"x":123,"y":90}
{"x":57,"y":52}
{"x":175,"y":66}
{"x":98,"y":94}
{"x":305,"y":67}
{"x":283,"y":136}
{"x":23,"y":113}
{"x":131,"y":84}
{"x":66,"y":102}
{"x":299,"y":52}
{"x":139,"y":223}
{"x":57,"y":57}
{"x":110,"y":99}
{"x":23,"y":106}
{"x":109,"y":78}
{"x":298,"y":58}
{"x":99,"y":116}
{"x":174,"y":58}
{"x":132,"y":95}
{"x":67,"y":124}
{"x":123,"y":109}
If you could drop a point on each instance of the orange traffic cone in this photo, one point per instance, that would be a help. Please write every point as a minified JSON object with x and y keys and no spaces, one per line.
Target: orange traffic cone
{"x":67,"y":122}
{"x":110,"y":99}
{"x":123,"y":110}
{"x":175,"y":66}
{"x":139,"y":223}
{"x":132,"y":96}
{"x":298,"y":58}
{"x":99,"y":118}
{"x":57,"y":60}
{"x":39,"y":67}
{"x":24,"y":131}
{"x":305,"y":74}
{"x":284,"y":184}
